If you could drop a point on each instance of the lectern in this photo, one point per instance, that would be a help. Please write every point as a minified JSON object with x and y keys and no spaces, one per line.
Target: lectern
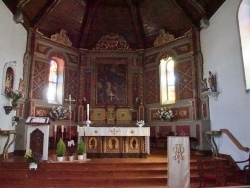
{"x":37,"y":134}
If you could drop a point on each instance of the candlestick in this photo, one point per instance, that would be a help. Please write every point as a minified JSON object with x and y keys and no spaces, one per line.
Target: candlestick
{"x":55,"y":128}
{"x":87,"y":111}
{"x":62,"y":129}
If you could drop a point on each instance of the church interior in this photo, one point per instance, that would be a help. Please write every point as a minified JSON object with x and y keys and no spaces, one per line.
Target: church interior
{"x":128,"y":77}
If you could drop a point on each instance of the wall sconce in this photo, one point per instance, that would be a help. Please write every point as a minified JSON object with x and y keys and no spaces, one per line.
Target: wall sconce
{"x":8,"y":109}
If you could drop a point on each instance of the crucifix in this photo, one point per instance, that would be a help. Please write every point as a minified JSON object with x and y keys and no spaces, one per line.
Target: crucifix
{"x":70,"y":113}
{"x":111,"y":95}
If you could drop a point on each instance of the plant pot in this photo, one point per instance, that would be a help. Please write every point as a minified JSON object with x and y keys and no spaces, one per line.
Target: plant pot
{"x":14,"y":104}
{"x":32,"y":166}
{"x":59,"y":159}
{"x":80,"y":157}
{"x":71,"y":157}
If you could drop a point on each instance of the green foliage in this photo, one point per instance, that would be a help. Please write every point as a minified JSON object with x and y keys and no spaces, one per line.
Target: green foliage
{"x":60,"y":148}
{"x":81,"y":148}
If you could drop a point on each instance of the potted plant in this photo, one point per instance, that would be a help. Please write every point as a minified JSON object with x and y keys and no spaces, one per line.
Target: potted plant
{"x":33,"y":158}
{"x":60,"y":150}
{"x":81,"y":150}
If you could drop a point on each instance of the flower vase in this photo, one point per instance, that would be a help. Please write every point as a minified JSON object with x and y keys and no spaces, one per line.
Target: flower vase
{"x":71,"y":157}
{"x":14,"y":104}
{"x":32,"y":166}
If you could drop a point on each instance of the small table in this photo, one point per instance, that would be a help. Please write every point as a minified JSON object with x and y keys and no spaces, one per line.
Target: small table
{"x":214,"y":147}
{"x":8,"y":143}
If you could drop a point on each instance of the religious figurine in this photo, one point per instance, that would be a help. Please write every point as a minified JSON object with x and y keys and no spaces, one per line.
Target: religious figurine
{"x":211,"y":82}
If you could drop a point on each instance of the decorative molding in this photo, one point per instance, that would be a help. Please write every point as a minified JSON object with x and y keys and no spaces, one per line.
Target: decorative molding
{"x":213,"y":94}
{"x":61,"y":38}
{"x":163,"y":38}
{"x":112,"y":42}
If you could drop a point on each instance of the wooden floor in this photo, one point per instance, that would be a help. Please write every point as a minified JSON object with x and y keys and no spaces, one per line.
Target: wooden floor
{"x":104,"y":172}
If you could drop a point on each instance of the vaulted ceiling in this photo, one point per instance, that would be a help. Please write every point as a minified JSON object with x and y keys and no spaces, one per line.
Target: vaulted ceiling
{"x":137,"y":21}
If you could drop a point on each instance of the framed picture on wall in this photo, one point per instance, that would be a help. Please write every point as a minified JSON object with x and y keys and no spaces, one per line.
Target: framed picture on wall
{"x":111,"y":83}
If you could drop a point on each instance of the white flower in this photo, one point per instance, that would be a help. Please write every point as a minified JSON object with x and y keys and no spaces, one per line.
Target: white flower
{"x":140,"y":123}
{"x":165,"y":113}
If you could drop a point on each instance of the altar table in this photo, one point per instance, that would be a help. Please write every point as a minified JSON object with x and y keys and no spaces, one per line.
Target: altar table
{"x":115,"y":141}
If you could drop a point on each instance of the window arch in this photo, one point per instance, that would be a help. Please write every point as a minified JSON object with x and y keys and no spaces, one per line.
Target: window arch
{"x":244,"y":27}
{"x":55,"y":81}
{"x":167,"y":81}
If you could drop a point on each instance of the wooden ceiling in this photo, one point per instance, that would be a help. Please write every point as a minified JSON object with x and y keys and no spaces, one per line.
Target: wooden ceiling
{"x":138,"y":21}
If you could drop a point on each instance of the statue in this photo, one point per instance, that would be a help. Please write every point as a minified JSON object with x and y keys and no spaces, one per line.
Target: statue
{"x":211,"y":82}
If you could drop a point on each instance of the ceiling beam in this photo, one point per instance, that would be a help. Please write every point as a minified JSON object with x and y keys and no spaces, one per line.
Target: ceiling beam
{"x":88,"y":16}
{"x":198,"y":7}
{"x":47,"y":8}
{"x":137,"y":22}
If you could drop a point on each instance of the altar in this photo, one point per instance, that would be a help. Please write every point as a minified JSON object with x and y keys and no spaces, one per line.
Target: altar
{"x":116,"y":142}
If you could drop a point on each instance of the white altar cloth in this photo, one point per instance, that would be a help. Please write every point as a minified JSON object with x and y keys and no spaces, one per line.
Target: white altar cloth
{"x":114,"y":131}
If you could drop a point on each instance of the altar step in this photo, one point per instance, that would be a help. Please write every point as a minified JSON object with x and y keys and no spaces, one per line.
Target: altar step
{"x":89,"y":174}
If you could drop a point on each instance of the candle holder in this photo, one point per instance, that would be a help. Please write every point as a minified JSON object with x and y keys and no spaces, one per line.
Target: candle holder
{"x":88,"y":122}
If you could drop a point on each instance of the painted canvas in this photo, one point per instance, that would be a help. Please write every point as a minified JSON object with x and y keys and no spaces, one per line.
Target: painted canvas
{"x":111,"y":84}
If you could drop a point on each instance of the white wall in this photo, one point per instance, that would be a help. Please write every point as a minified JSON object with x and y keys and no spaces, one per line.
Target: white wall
{"x":220,"y":45}
{"x":13,"y":39}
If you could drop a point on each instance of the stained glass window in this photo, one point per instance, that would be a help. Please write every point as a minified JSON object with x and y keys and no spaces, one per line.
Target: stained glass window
{"x":53,"y":76}
{"x":167,"y":81}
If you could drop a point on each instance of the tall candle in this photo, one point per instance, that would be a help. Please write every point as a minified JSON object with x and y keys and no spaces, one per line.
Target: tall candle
{"x":55,"y":128}
{"x":62,"y":128}
{"x":78,"y":128}
{"x":87,"y":111}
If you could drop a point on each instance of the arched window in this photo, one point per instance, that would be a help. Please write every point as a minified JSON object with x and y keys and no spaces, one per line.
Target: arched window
{"x":53,"y":77}
{"x":244,"y":27}
{"x":167,"y":81}
{"x":55,"y":82}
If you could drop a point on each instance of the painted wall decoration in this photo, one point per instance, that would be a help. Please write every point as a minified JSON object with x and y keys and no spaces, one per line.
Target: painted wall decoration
{"x":111,"y":83}
{"x":151,"y":80}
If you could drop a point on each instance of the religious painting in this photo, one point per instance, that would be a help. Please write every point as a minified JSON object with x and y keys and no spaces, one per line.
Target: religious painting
{"x":113,"y":143}
{"x":93,"y":143}
{"x":134,"y":143}
{"x":111,"y":86}
{"x":9,"y":79}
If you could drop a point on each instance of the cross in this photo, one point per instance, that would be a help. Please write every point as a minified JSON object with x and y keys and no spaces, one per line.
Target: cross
{"x":70,"y":100}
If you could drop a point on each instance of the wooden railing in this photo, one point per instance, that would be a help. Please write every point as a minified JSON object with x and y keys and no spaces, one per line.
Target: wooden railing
{"x":234,"y":140}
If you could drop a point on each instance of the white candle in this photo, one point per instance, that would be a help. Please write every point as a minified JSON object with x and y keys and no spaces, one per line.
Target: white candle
{"x":55,"y":128}
{"x":78,"y":128}
{"x":62,"y":128}
{"x":87,"y":111}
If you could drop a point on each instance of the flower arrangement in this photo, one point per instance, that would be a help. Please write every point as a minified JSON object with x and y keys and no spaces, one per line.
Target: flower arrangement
{"x":32,"y":157}
{"x":165,"y":113}
{"x":140,"y":123}
{"x":15,"y":95}
{"x":58,"y":113}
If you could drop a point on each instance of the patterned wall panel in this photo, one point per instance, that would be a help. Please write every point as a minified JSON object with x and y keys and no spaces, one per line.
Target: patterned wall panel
{"x":42,"y":112}
{"x":71,"y":83}
{"x":87,"y":88}
{"x":151,"y":80}
{"x":183,"y":130}
{"x":42,"y":49}
{"x":134,"y":87}
{"x":165,"y":128}
{"x":72,"y":58}
{"x":185,"y":81}
{"x":39,"y":80}
{"x":182,"y":49}
{"x":150,"y":59}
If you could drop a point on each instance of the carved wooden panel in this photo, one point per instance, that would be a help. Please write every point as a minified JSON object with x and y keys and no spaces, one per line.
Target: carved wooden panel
{"x":36,"y":141}
{"x":151,"y":80}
